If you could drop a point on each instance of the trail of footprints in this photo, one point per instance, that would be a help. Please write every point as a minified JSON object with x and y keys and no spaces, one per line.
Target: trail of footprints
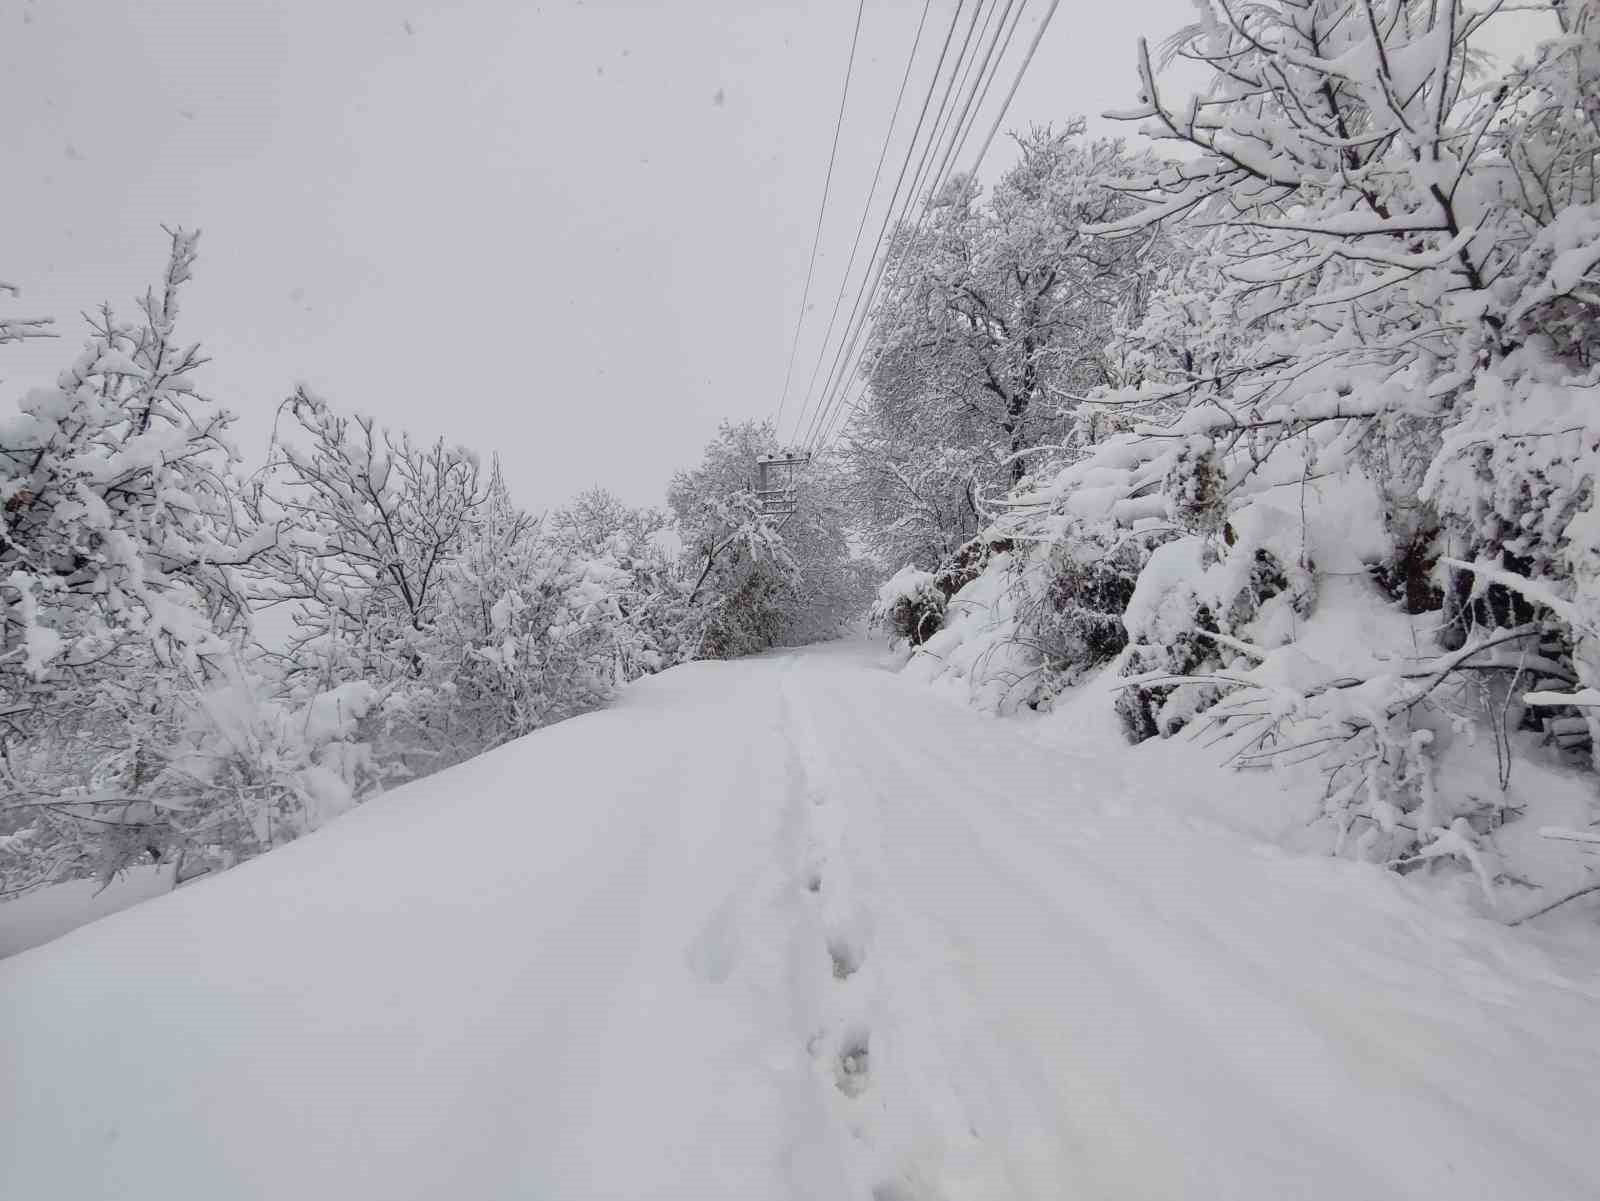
{"x":852,"y":1055}
{"x":851,"y":1047}
{"x":843,"y":1038}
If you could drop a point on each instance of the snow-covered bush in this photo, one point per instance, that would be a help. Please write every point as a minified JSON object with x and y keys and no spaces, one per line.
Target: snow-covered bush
{"x":910,"y":606}
{"x":1080,"y":584}
{"x":205,"y":777}
{"x":1022,"y":611}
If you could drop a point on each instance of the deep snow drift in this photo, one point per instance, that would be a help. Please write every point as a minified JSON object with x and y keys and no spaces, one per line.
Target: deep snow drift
{"x":796,"y":927}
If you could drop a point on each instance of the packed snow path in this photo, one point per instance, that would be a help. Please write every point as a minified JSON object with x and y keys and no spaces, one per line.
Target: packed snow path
{"x":795,"y":928}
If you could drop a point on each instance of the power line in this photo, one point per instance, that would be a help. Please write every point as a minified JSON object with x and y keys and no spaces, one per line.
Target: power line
{"x":822,"y":209}
{"x":911,"y":149}
{"x":857,"y":313}
{"x":969,"y":112}
{"x":977,"y":161}
{"x":831,"y":427}
{"x":848,"y":356}
{"x":834,"y":399}
{"x":862,"y":309}
{"x":866,"y":210}
{"x":1038,"y":36}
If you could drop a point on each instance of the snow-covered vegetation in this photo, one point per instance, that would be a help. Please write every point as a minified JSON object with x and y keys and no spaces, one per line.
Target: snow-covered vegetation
{"x":1222,"y":819}
{"x":1291,"y":429}
{"x":202,"y":660}
{"x":1280,"y":423}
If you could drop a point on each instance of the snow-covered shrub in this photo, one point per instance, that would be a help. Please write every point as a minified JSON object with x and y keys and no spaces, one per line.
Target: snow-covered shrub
{"x":1079,"y":585}
{"x":208,"y":777}
{"x":1399,"y":739}
{"x":251,"y":769}
{"x":970,"y":561}
{"x":1197,"y":600}
{"x":432,"y":619}
{"x":1026,"y":609}
{"x":910,"y":606}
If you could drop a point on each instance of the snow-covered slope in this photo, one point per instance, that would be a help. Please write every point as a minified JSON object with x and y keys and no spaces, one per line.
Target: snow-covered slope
{"x":47,"y":913}
{"x":794,"y":927}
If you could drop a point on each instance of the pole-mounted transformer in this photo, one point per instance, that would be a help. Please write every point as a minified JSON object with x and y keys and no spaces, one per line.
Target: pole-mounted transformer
{"x":775,"y":477}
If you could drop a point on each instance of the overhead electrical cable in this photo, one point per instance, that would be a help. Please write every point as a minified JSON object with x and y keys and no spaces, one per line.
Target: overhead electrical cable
{"x":879,"y":249}
{"x":911,"y":151}
{"x":926,"y":185}
{"x":866,"y":210}
{"x":816,"y":238}
{"x":975,"y":99}
{"x":861,"y":310}
{"x":958,"y":129}
{"x":956,"y":144}
{"x":1038,"y":36}
{"x":994,"y":128}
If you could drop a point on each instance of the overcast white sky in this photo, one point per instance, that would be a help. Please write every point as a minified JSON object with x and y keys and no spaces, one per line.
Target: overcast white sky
{"x":572,"y":233}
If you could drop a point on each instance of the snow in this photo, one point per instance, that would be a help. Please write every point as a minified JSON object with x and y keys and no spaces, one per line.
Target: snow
{"x":797,"y":926}
{"x":47,"y":913}
{"x":907,"y":584}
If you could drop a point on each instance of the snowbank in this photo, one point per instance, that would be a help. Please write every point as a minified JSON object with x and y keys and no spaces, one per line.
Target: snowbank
{"x":47,"y":913}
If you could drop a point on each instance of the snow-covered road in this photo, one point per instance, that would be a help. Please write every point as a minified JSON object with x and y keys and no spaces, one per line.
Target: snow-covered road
{"x":797,"y":927}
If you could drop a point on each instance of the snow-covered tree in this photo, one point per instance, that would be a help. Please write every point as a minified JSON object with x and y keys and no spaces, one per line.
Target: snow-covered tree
{"x":652,"y":605}
{"x":125,"y":608}
{"x":477,"y":621}
{"x":121,"y":535}
{"x":997,"y":316}
{"x":374,"y":519}
{"x":759,"y":579}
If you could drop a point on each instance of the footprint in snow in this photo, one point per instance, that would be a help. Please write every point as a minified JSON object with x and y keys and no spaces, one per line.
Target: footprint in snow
{"x":846,"y":958}
{"x":851,"y":1074}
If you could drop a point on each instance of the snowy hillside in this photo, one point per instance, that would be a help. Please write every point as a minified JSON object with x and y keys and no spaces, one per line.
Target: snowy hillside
{"x":854,"y":945}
